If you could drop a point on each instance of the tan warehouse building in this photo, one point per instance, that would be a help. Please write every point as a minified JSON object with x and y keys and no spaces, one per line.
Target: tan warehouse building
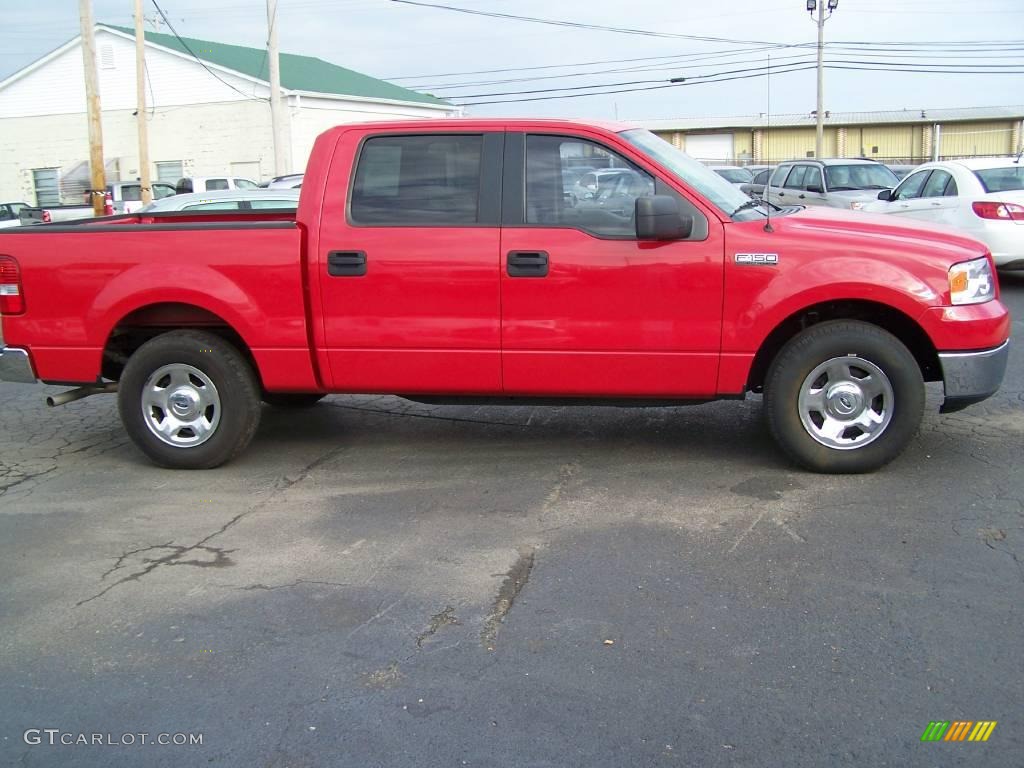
{"x":901,"y":136}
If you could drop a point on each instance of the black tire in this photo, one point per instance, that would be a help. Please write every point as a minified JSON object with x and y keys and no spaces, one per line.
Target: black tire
{"x":237,"y":391}
{"x":292,"y":399}
{"x":843,"y":339}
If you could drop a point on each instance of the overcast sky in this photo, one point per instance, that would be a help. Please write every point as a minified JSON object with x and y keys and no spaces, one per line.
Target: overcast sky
{"x":390,"y":40}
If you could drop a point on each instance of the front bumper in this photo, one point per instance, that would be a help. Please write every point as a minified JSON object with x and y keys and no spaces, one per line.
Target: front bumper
{"x":970,"y":377}
{"x":16,"y":366}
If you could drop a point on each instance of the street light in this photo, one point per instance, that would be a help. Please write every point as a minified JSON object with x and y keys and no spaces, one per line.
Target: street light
{"x":812,"y":6}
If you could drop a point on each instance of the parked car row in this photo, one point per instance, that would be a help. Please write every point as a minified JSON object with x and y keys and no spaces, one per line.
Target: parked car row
{"x":981,"y":197}
{"x":126,"y":197}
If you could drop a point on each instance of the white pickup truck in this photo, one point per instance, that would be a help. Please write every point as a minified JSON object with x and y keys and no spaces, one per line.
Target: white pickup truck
{"x":125,"y":195}
{"x":9,"y":214}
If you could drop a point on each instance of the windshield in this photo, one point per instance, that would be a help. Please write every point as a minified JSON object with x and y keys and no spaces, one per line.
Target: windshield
{"x":873,"y":176}
{"x":696,"y":175}
{"x":1002,"y":179}
{"x":735,"y":175}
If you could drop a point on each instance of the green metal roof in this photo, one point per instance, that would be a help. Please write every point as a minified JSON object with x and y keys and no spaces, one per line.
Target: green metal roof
{"x":298,"y":73}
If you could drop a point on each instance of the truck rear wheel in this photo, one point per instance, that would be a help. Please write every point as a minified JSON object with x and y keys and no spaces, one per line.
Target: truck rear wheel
{"x":844,"y":397}
{"x":189,"y":400}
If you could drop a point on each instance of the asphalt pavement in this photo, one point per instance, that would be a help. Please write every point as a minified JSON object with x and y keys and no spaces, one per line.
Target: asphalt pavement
{"x":379,"y":583}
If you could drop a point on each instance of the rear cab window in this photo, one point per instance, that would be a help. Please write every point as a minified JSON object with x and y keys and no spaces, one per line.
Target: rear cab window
{"x":215,"y":184}
{"x":420,"y":180}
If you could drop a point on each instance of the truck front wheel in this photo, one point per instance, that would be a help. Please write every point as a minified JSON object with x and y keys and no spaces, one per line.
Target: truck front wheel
{"x":844,"y":397}
{"x":189,"y":400}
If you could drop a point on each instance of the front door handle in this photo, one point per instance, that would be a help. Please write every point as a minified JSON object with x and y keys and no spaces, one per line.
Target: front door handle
{"x":346,"y":263}
{"x":527,"y":264}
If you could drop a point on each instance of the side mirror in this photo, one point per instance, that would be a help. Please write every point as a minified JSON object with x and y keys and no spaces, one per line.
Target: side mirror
{"x":658,"y":218}
{"x":885,"y":194}
{"x":816,"y":188}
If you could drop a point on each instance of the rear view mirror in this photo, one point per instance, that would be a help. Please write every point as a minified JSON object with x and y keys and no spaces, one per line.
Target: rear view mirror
{"x":885,"y":194}
{"x":658,"y":218}
{"x":815,"y":188}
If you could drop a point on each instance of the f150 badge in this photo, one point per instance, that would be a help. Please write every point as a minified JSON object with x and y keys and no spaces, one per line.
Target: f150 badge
{"x":757,"y":259}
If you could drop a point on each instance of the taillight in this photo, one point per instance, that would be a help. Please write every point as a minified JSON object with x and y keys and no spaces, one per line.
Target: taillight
{"x":47,"y":218}
{"x":1002,"y":211}
{"x":12,"y":302}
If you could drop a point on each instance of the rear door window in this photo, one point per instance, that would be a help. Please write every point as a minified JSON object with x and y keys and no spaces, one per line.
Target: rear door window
{"x":937,"y":184}
{"x":263,"y":204}
{"x":431,"y":180}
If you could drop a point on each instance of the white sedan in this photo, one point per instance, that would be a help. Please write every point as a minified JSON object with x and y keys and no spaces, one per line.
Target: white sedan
{"x":227,"y":200}
{"x":982,"y":197}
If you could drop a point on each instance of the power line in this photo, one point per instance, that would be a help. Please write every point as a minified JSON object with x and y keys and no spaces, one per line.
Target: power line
{"x":579,"y":24}
{"x":994,"y":69}
{"x":716,"y":78}
{"x":676,"y":63}
{"x":202,"y":63}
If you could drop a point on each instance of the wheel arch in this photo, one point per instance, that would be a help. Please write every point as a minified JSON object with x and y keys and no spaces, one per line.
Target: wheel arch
{"x":893,"y":320}
{"x":147,"y":321}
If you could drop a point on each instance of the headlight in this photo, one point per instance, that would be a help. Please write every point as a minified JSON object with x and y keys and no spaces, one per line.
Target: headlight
{"x":971,"y":282}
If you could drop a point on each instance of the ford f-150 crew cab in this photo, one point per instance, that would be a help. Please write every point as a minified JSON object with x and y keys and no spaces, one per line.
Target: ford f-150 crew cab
{"x":445,"y":261}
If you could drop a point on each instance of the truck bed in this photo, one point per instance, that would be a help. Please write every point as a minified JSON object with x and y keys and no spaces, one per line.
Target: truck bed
{"x":89,"y":280}
{"x":165,"y":218}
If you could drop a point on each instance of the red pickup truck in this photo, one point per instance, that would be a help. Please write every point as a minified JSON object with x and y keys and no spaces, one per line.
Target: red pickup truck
{"x":501,"y":261}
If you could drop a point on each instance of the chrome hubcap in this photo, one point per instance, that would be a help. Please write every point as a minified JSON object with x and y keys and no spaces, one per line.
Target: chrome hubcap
{"x":846,"y":402}
{"x":181,"y":405}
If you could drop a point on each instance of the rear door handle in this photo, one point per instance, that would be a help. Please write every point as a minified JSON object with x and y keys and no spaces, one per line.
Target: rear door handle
{"x":527,"y":264}
{"x":346,"y":263}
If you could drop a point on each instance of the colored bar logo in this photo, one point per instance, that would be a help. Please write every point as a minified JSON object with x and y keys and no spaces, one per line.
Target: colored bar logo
{"x":958,"y":730}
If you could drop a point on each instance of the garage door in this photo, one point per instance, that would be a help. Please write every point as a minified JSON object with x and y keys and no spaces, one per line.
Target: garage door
{"x":709,"y":146}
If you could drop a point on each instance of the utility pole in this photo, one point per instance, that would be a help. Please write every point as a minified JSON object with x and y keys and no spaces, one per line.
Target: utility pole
{"x":276,"y":118}
{"x":98,"y":179}
{"x":820,"y":6}
{"x":140,"y":105}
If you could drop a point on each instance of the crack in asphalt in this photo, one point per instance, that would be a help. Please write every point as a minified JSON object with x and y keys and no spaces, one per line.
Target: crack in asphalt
{"x":513,"y":584}
{"x":296,"y":583}
{"x":221,"y":558}
{"x":445,"y":618}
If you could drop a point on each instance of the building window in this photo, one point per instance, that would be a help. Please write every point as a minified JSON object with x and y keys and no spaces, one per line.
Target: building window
{"x":47,"y":186}
{"x":169,"y":170}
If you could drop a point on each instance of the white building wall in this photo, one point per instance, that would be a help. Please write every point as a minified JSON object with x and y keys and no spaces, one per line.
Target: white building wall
{"x":311,"y":116}
{"x":56,"y":87}
{"x":207,"y":138}
{"x":194,"y":117}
